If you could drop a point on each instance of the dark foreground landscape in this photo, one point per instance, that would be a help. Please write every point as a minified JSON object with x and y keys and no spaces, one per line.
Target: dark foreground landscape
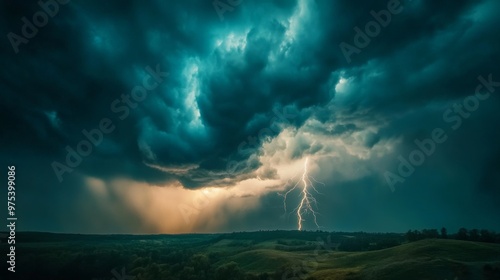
{"x":289,"y":255}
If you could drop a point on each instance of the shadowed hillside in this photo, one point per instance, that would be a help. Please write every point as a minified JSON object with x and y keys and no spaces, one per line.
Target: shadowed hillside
{"x":273,"y":255}
{"x":425,"y":259}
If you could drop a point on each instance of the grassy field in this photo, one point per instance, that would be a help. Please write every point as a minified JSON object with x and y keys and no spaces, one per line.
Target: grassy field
{"x":424,"y":259}
{"x":259,"y":255}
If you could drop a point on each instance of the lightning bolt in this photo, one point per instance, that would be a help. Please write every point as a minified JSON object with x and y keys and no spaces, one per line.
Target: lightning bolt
{"x":307,"y":201}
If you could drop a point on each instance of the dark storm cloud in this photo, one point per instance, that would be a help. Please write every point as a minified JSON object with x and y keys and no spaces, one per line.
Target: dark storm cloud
{"x":90,"y":53}
{"x":227,"y":79}
{"x":426,"y":60}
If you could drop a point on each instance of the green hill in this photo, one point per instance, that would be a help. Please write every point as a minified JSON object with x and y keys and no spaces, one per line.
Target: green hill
{"x":425,"y":259}
{"x":274,"y":255}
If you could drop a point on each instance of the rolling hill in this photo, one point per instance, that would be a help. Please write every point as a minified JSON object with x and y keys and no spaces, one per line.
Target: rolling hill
{"x":425,"y":259}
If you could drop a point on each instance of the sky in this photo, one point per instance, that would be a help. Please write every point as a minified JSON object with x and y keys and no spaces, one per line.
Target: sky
{"x":218,"y":116}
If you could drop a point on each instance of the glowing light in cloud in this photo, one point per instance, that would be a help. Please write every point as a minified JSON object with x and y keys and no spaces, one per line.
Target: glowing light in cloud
{"x":342,"y":84}
{"x":233,"y":42}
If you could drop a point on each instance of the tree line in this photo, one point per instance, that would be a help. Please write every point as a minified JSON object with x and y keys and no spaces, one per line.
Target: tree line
{"x":476,"y":235}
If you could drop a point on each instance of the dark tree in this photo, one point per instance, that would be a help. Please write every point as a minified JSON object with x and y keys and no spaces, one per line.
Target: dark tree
{"x":430,"y":233}
{"x":444,"y":233}
{"x":487,"y":236}
{"x":474,"y":235}
{"x":229,"y":271}
{"x":462,"y":234}
{"x":410,"y":236}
